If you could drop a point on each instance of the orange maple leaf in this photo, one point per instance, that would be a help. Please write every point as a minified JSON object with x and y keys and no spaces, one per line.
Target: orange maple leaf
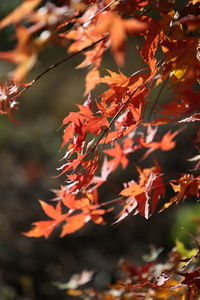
{"x":73,"y":224}
{"x":24,"y":55}
{"x":93,"y":58}
{"x":185,"y":186}
{"x":119,"y":157}
{"x":91,"y":80}
{"x":151,"y":45}
{"x":88,"y":212}
{"x":118,"y":29}
{"x":165,"y":144}
{"x":19,"y":13}
{"x":130,"y":205}
{"x":45,"y":228}
{"x":140,"y":191}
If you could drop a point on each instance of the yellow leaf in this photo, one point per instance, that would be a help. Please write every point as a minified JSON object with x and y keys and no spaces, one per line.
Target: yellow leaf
{"x":179,"y":72}
{"x":74,"y":293}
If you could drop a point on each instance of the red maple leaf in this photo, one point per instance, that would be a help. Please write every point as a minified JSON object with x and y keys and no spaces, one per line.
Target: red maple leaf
{"x":45,"y":228}
{"x":165,"y":144}
{"x":119,"y":157}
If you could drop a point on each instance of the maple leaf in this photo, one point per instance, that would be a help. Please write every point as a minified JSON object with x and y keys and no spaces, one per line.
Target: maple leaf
{"x":185,"y":186}
{"x":72,"y":164}
{"x":186,"y":102}
{"x":130,"y":8}
{"x":78,"y":117}
{"x":165,"y":144}
{"x":94,"y":124}
{"x":24,"y":55}
{"x":181,"y":62}
{"x":126,"y":94}
{"x":74,"y":203}
{"x":130,"y":205}
{"x":85,"y":34}
{"x":192,"y":23}
{"x":73,"y":224}
{"x":41,"y":228}
{"x":88,"y":212}
{"x":168,"y":288}
{"x":192,"y":279}
{"x":150,"y":45}
{"x":141,"y":191}
{"x":93,"y":58}
{"x":74,"y":122}
{"x":68,"y":134}
{"x":84,"y":179}
{"x":19,"y":13}
{"x":115,"y":79}
{"x":193,"y":118}
{"x":123,"y":89}
{"x":121,"y":108}
{"x":70,"y":201}
{"x":92,"y":79}
{"x":119,"y":157}
{"x":118,"y":29}
{"x":158,"y":187}
{"x":174,"y":109}
{"x":59,"y":193}
{"x":106,"y":169}
{"x":38,"y":29}
{"x":196,"y":158}
{"x":118,"y":152}
{"x":8,"y":96}
{"x":45,"y":228}
{"x":131,"y":83}
{"x":80,"y":212}
{"x":76,"y":280}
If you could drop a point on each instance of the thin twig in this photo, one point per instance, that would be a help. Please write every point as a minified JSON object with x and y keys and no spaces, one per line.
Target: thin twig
{"x":115,"y":117}
{"x":57,"y":64}
{"x":72,"y":55}
{"x":123,"y":106}
{"x":154,"y":104}
{"x":91,"y":18}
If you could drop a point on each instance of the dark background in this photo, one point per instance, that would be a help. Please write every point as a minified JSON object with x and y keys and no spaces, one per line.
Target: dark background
{"x":29,"y":156}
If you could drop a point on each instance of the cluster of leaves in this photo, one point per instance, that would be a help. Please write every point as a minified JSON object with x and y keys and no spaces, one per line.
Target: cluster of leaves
{"x":177,"y":278}
{"x":99,"y":137}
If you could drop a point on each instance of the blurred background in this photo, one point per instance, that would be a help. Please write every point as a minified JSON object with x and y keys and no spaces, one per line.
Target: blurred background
{"x":29,"y":155}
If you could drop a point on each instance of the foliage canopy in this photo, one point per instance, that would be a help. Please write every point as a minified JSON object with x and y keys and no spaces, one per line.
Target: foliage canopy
{"x":104,"y":132}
